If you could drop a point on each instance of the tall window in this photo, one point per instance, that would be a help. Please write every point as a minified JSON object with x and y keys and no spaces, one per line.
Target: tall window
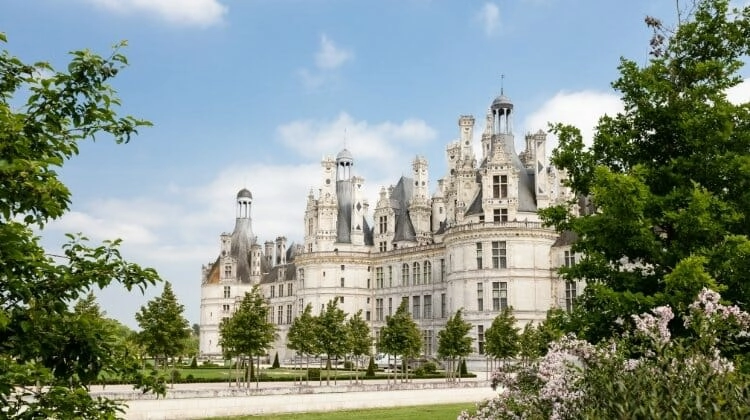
{"x":288,"y":314}
{"x":416,"y":307}
{"x":499,"y":295}
{"x":289,"y":289}
{"x":480,"y":297}
{"x":503,"y":186}
{"x":378,"y":277}
{"x":479,"y":255}
{"x":390,"y":306}
{"x":280,"y":315}
{"x":499,"y":259}
{"x":480,"y":339}
{"x":225,"y":307}
{"x":379,"y":309}
{"x":390,"y":276}
{"x":443,"y":306}
{"x":427,"y":306}
{"x":570,"y":258}
{"x":227,"y":292}
{"x":442,"y":270}
{"x":427,"y":272}
{"x":341,"y":281}
{"x":571,"y":291}
{"x":382,"y":224}
{"x":405,"y":275}
{"x":495,"y":186}
{"x":281,"y":290}
{"x":427,"y":339}
{"x":227,"y":271}
{"x":301,"y":277}
{"x":382,"y":246}
{"x":273,"y":291}
{"x":416,"y":275}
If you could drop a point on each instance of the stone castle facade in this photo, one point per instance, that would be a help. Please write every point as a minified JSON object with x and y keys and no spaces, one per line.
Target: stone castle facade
{"x":476,"y":243}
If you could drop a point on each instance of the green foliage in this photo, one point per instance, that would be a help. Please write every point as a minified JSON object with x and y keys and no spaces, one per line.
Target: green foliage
{"x":313,"y":374}
{"x":44,"y":116}
{"x":276,"y":364}
{"x":248,"y":332}
{"x":164,"y":329}
{"x":371,"y":368}
{"x":502,"y":337}
{"x":359,"y":341}
{"x":462,"y":370}
{"x":454,"y":341}
{"x":401,"y":336}
{"x":194,"y":363}
{"x":331,"y":333}
{"x":668,"y":176}
{"x":301,"y":334}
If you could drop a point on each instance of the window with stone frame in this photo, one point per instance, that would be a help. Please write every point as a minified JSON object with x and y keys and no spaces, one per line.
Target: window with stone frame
{"x":480,"y":297}
{"x":416,"y":307}
{"x":227,"y":292}
{"x":405,"y":275}
{"x":571,"y":292}
{"x":499,"y":295}
{"x":427,"y":272}
{"x":427,"y":303}
{"x":499,"y":258}
{"x":416,"y":274}
{"x":479,"y":255}
{"x":379,"y":309}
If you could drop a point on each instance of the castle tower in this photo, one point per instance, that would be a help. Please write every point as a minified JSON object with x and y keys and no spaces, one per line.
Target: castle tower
{"x":268,"y":253}
{"x":419,"y":206}
{"x":242,"y":240}
{"x":281,"y":250}
{"x":344,"y":163}
{"x":466,"y":133}
{"x":541,"y":177}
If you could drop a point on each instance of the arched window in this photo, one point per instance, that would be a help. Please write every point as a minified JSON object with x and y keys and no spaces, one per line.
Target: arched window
{"x":416,"y":275}
{"x":405,"y":275}
{"x":427,"y":272}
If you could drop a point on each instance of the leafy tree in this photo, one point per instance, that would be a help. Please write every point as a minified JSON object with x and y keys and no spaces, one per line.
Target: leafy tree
{"x":196,"y":330}
{"x":401,"y":336}
{"x":529,"y":343}
{"x":301,"y":335}
{"x":248,"y":332}
{"x":454,"y":342}
{"x":164,"y":328}
{"x":49,"y":354}
{"x":359,"y":341}
{"x":331,"y":334}
{"x":669,"y":177}
{"x":501,"y":337}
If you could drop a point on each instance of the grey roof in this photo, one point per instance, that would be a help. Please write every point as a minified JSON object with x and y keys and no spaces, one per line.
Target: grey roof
{"x":242,"y":241}
{"x":345,"y":155}
{"x":244,"y":193}
{"x":272,"y":276}
{"x":502,"y":101}
{"x":566,"y":238}
{"x":526,"y":195}
{"x":476,"y":205}
{"x":400,"y":196}
{"x":369,"y":232}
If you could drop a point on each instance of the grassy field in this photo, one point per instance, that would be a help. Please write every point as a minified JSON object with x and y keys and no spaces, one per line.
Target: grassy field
{"x":425,"y":412}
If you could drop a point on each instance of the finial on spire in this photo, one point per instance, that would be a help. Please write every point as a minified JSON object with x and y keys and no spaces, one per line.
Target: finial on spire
{"x":344,"y":137}
{"x":502,"y":79}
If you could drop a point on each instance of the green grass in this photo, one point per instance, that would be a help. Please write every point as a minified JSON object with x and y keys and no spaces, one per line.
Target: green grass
{"x":421,"y":412}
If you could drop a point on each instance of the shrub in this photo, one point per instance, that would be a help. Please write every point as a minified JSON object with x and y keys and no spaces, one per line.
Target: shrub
{"x":194,"y":363}
{"x":348,"y":365}
{"x":313,"y":373}
{"x":429,"y":367}
{"x":371,"y":368}
{"x":276,"y":364}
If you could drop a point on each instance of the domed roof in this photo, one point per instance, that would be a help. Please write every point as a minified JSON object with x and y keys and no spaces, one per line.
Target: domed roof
{"x":502,"y":101}
{"x":245,"y":193}
{"x":345,"y":155}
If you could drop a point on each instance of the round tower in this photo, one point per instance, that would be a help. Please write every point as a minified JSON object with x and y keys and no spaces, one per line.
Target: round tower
{"x":501,"y":108}
{"x":244,"y":203}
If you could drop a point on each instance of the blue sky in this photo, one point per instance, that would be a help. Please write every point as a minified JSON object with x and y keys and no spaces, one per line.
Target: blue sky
{"x":253,"y":93}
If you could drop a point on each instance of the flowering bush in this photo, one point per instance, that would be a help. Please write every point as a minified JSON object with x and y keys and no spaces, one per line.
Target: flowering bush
{"x":645,"y":373}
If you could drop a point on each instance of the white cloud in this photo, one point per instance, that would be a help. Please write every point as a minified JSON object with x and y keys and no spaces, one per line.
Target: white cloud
{"x":581,"y":109}
{"x":101,"y":228}
{"x":330,"y":56}
{"x":489,"y":17}
{"x":328,"y":59}
{"x":739,"y":94}
{"x":201,"y":13}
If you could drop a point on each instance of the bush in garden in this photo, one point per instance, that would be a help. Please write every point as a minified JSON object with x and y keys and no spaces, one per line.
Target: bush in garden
{"x":371,"y":368}
{"x":645,"y":373}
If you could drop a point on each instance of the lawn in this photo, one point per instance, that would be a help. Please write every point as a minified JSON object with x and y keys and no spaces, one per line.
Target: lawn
{"x":421,"y":412}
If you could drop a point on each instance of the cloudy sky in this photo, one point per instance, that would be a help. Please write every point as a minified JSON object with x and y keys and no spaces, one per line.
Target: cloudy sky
{"x":253,"y":93}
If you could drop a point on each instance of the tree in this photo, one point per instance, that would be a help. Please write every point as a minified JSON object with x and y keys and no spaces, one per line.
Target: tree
{"x":668,"y":177}
{"x":401,"y":336}
{"x":49,"y":355}
{"x":359,"y":341}
{"x":196,"y":330}
{"x":502,"y":336}
{"x":248,"y":332}
{"x":454,"y":342}
{"x":330,"y":333}
{"x":301,"y":335}
{"x":164,"y":329}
